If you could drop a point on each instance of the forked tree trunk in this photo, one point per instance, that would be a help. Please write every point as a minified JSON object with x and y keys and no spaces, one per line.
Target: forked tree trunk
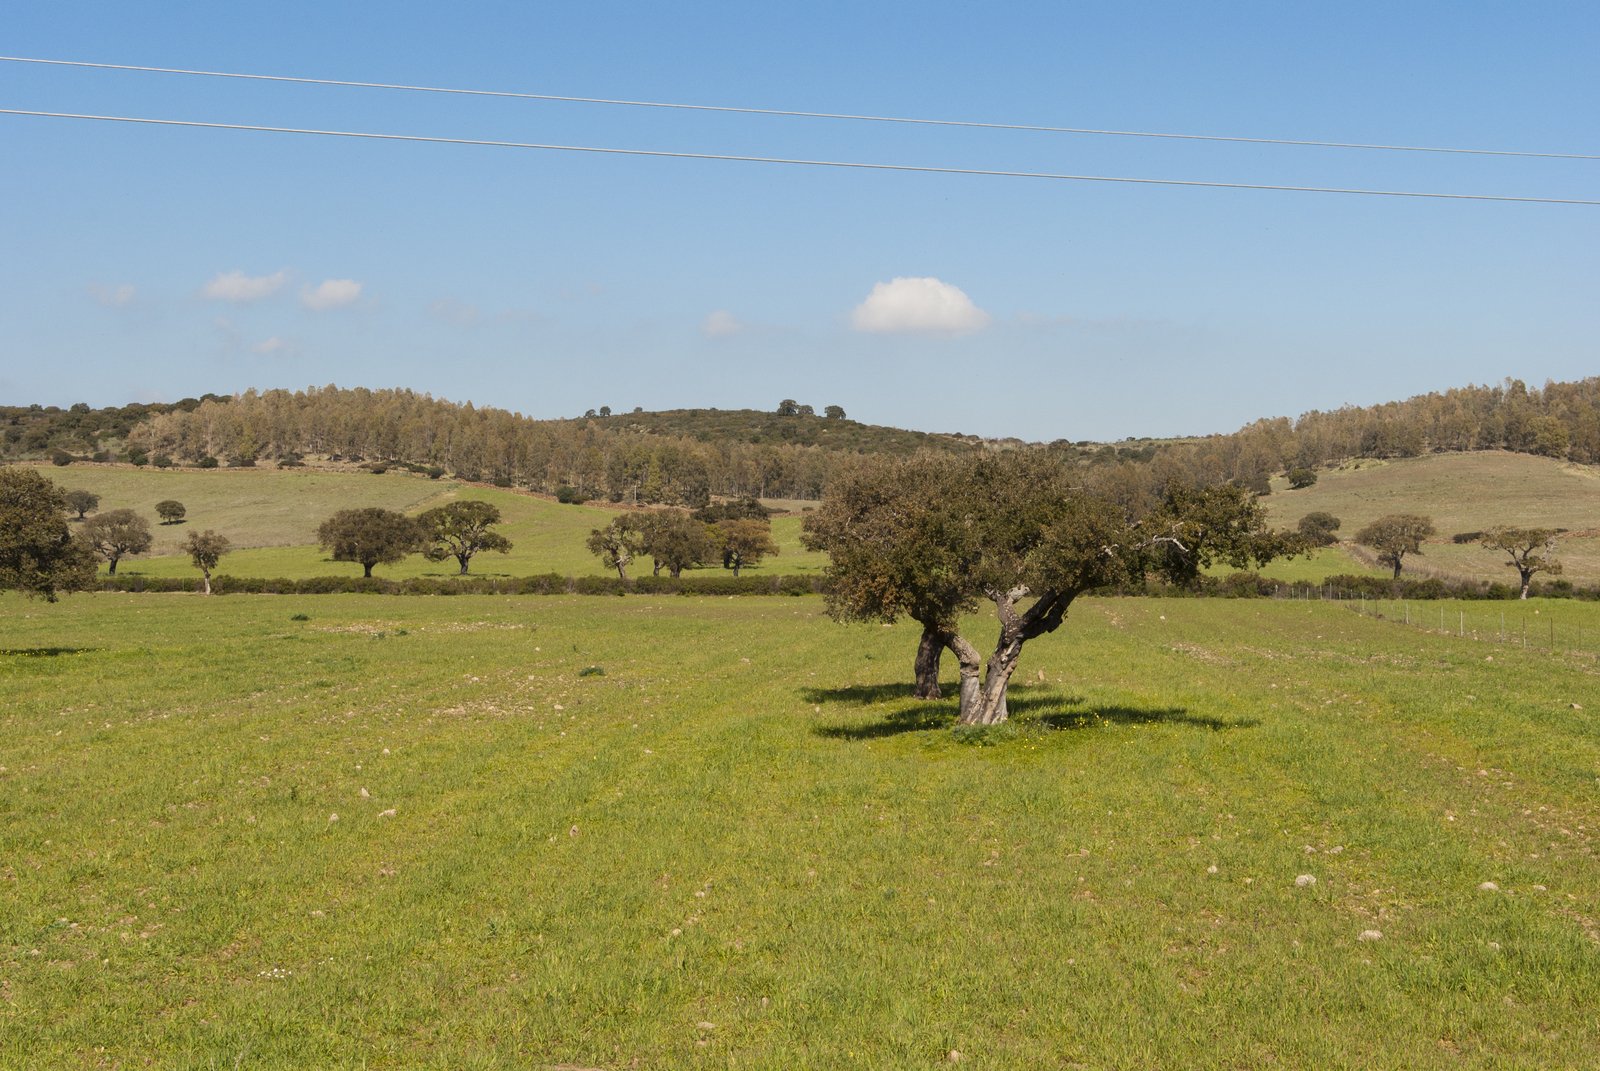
{"x":463,"y":559}
{"x":205,"y":579}
{"x":1527,"y":580}
{"x":112,"y":563}
{"x":987,"y":705}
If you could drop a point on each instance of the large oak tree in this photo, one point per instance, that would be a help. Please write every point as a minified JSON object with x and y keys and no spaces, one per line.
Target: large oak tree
{"x":115,"y":534}
{"x":370,"y":535}
{"x":38,"y":554}
{"x":460,"y":530}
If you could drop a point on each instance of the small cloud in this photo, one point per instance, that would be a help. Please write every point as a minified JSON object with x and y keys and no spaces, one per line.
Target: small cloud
{"x":455,"y":312}
{"x":269,"y":346}
{"x":113,"y":297}
{"x":330,"y":294}
{"x":921,"y":304}
{"x":237,"y":287}
{"x":721,"y":324}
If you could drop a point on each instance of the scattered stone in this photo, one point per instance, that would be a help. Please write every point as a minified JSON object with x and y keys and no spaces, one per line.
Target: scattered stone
{"x":1577,"y":706}
{"x":364,"y":794}
{"x":573,"y":832}
{"x":1370,"y":935}
{"x":333,"y":817}
{"x":1488,"y":886}
{"x":1212,"y":869}
{"x":1305,"y":881}
{"x":703,"y":1025}
{"x":955,"y":1056}
{"x":387,"y":814}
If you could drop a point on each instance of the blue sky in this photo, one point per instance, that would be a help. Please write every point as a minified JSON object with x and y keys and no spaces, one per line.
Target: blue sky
{"x":146,"y":263}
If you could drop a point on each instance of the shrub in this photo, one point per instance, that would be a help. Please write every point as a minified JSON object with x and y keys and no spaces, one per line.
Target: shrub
{"x":1301,"y":477}
{"x":570,"y":495}
{"x":207,"y":462}
{"x":61,"y":457}
{"x":1466,"y":537}
{"x":163,"y":461}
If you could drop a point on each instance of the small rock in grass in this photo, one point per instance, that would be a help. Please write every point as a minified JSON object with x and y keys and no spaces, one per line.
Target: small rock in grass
{"x":1488,"y":886}
{"x":1370,"y":935}
{"x":1212,"y":869}
{"x":365,"y":794}
{"x":702,"y":1025}
{"x":955,"y":1056}
{"x":573,"y":832}
{"x":333,"y":817}
{"x":1305,"y":880}
{"x":1577,"y":706}
{"x":387,"y":814}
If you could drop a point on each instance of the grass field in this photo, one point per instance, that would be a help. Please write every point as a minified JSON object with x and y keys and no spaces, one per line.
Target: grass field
{"x":741,"y":845}
{"x":271,"y":515}
{"x":1462,"y":493}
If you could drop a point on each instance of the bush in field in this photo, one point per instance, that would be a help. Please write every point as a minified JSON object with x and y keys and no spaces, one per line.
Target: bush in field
{"x":171,"y":511}
{"x":81,"y":502}
{"x":1301,"y":477}
{"x":1318,"y":529}
{"x":1394,"y":536}
{"x":38,"y":554}
{"x":117,"y":533}
{"x":371,"y":536}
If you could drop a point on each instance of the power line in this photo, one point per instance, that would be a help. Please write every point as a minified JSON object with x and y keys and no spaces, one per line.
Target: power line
{"x":1304,"y":143}
{"x":858,"y":165}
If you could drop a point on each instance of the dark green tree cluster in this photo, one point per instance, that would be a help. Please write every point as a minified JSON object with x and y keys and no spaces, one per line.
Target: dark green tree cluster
{"x":676,"y":540}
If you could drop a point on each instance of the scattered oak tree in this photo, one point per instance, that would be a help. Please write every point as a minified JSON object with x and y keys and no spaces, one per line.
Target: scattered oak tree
{"x":618,"y":543}
{"x":1301,"y":477}
{"x":1529,"y":550}
{"x":38,"y":555}
{"x":675,"y":541}
{"x":895,"y":553}
{"x":170,"y":510}
{"x":1317,"y":529}
{"x":743,"y":542}
{"x":82,"y":502}
{"x":115,"y":534}
{"x":461,"y":530}
{"x":1017,"y":530}
{"x":370,"y":535}
{"x":205,"y":549}
{"x":1394,"y":536}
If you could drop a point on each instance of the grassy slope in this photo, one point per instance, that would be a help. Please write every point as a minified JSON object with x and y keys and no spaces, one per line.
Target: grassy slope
{"x":272,"y":517}
{"x":1462,"y":493}
{"x":742,"y":846}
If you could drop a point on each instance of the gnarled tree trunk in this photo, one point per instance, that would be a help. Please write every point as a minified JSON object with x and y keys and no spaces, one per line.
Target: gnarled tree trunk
{"x":988,"y":706}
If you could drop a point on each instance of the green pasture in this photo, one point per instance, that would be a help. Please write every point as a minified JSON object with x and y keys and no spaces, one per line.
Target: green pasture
{"x":271,"y":516}
{"x":672,"y":832}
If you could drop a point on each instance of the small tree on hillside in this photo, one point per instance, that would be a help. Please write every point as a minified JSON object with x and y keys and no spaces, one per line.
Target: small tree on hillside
{"x":170,"y":510}
{"x":1529,"y":550}
{"x":1301,"y":477}
{"x":370,"y":535}
{"x":38,"y":555}
{"x":205,"y":550}
{"x":618,"y":543}
{"x":82,"y":502}
{"x":460,"y":530}
{"x":1318,"y":529}
{"x":1394,"y":536}
{"x":115,"y":534}
{"x":743,"y":542}
{"x":833,"y":412}
{"x":676,"y":541}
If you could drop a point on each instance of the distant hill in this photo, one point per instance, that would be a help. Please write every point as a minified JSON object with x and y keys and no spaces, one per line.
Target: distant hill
{"x":755,"y":427}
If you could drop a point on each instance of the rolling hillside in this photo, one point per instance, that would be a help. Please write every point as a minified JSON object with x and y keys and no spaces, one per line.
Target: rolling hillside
{"x":1466,"y":492}
{"x":271,"y":516}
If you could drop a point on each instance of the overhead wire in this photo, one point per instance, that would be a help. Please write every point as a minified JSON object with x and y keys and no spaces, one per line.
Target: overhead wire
{"x":908,"y":120}
{"x":794,"y":161}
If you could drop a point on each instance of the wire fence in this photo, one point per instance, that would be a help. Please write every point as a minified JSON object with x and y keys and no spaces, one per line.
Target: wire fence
{"x":1559,"y":625}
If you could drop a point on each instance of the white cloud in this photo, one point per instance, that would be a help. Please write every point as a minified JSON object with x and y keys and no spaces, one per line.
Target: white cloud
{"x":330,"y":294}
{"x":721,"y":324}
{"x":455,"y":312}
{"x":238,"y":287}
{"x":918,"y":304}
{"x":113,"y":297}
{"x":268,"y":346}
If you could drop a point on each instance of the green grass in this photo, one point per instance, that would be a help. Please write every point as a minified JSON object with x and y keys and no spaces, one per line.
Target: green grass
{"x":742,"y":845}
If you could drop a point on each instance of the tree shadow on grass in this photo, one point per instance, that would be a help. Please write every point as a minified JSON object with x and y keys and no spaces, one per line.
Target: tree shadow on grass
{"x":1029,"y":708}
{"x":43,"y":652}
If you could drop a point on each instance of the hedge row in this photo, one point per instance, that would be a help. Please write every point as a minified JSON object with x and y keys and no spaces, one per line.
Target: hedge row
{"x":546,"y":584}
